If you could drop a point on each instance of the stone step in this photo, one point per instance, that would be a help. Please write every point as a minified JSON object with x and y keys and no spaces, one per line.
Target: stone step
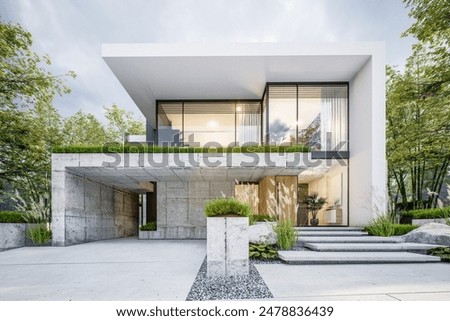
{"x":369,"y":247}
{"x":348,"y":239}
{"x":330,"y":228}
{"x":332,"y":233}
{"x":310,"y":257}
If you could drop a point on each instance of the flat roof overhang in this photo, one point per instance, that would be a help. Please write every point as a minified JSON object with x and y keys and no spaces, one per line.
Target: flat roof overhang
{"x":150,"y":72}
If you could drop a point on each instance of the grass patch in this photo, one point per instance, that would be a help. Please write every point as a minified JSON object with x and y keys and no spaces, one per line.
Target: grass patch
{"x":12,"y":217}
{"x":383,"y":226}
{"x":227,"y":206}
{"x":442,"y":252}
{"x":286,"y":234}
{"x":428,"y":213}
{"x":150,"y":226}
{"x":142,"y":148}
{"x":39,"y":234}
{"x":261,"y":218}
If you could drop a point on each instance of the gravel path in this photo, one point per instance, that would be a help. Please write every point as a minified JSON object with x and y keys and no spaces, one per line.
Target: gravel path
{"x":228,"y":288}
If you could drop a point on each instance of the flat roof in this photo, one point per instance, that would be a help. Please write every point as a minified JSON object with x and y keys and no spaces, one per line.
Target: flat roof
{"x":228,"y":71}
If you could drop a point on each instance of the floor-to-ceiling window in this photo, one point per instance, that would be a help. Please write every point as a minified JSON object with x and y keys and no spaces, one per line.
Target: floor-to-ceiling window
{"x":209,"y":123}
{"x":314,"y":115}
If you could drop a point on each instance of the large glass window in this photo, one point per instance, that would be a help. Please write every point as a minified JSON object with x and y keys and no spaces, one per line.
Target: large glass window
{"x":312,"y":115}
{"x":223,"y":123}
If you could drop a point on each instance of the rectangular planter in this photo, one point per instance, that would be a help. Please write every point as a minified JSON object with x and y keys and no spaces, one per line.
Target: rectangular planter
{"x":227,"y":246}
{"x":422,"y":221}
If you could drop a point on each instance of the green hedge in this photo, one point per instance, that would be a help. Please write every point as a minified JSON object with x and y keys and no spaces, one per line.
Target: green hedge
{"x":118,"y":148}
{"x":428,"y":213}
{"x":12,"y":217}
{"x":401,"y":229}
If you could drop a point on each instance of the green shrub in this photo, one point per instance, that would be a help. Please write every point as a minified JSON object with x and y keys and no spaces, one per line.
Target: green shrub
{"x":262,"y":251}
{"x":150,"y":226}
{"x":264,"y":218}
{"x":286,"y":234}
{"x":226,"y":206}
{"x":12,"y":217}
{"x":428,"y":213}
{"x":39,"y":234}
{"x":383,"y":226}
{"x":442,"y":252}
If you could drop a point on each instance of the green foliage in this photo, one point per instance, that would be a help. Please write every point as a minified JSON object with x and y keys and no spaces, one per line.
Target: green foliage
{"x":442,"y":252}
{"x":261,"y":218}
{"x":262,"y":251}
{"x":314,"y":203}
{"x":226,"y":206}
{"x":383,"y":226}
{"x":429,"y":213}
{"x":39,"y":234}
{"x":12,"y":217}
{"x":286,"y":234}
{"x":418,"y":110}
{"x":150,"y":226}
{"x":142,"y":148}
{"x":121,"y":122}
{"x":402,"y":229}
{"x":83,"y":129}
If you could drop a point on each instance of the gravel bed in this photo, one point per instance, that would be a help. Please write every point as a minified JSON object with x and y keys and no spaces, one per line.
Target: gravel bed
{"x":228,"y":288}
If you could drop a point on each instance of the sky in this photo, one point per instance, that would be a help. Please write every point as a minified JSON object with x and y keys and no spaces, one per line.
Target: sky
{"x":71,"y":32}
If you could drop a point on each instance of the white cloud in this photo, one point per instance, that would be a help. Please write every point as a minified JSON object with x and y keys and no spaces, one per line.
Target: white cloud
{"x":71,"y":32}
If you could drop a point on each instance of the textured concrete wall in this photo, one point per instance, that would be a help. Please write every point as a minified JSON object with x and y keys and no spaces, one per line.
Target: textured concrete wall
{"x":180,"y":207}
{"x":227,"y":246}
{"x":95,"y":211}
{"x":12,"y":235}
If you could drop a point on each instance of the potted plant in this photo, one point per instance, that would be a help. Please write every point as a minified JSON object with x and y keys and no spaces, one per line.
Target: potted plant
{"x":314,"y":204}
{"x":331,"y":211}
{"x":227,"y":238}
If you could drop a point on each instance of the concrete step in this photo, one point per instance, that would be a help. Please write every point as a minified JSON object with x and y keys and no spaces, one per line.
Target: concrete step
{"x":310,"y":257}
{"x":332,"y":233}
{"x":369,"y":247}
{"x":330,"y":228}
{"x":348,"y":239}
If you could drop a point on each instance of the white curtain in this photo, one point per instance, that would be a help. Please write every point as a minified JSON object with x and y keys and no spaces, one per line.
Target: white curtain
{"x":248,"y":123}
{"x":334,"y":119}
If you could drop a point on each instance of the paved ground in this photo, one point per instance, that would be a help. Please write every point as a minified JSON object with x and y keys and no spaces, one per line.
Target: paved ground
{"x":366,"y":282}
{"x":122,"y":269}
{"x":129,"y":269}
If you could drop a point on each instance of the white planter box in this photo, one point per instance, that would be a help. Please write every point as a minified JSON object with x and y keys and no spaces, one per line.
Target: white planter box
{"x":227,"y":246}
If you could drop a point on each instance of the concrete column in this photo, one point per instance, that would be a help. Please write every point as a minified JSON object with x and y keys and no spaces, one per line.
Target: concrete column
{"x":227,"y":246}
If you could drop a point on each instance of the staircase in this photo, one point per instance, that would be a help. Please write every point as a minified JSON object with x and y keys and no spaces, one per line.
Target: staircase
{"x":350,"y":245}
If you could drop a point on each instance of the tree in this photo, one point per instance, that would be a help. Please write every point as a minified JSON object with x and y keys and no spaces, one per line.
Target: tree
{"x":122,"y":122}
{"x":83,"y":129}
{"x":30,"y":125}
{"x":418,"y":110}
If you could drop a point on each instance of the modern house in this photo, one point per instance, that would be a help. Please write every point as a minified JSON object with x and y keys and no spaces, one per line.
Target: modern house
{"x":323,"y":103}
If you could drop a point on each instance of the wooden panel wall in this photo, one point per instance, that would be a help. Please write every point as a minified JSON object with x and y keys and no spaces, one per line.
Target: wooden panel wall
{"x":248,"y":193}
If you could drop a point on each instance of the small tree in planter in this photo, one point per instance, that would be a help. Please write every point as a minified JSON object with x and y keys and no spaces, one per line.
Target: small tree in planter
{"x":314,"y":204}
{"x":227,"y":237}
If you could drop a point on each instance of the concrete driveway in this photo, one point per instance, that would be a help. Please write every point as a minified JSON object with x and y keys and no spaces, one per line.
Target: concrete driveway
{"x":120,"y":269}
{"x":130,"y":269}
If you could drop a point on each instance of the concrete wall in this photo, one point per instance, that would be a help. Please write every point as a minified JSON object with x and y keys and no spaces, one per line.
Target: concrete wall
{"x":180,"y":207}
{"x":93,"y":211}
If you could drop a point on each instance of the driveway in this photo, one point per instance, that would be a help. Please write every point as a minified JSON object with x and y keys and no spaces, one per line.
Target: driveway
{"x":120,"y":269}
